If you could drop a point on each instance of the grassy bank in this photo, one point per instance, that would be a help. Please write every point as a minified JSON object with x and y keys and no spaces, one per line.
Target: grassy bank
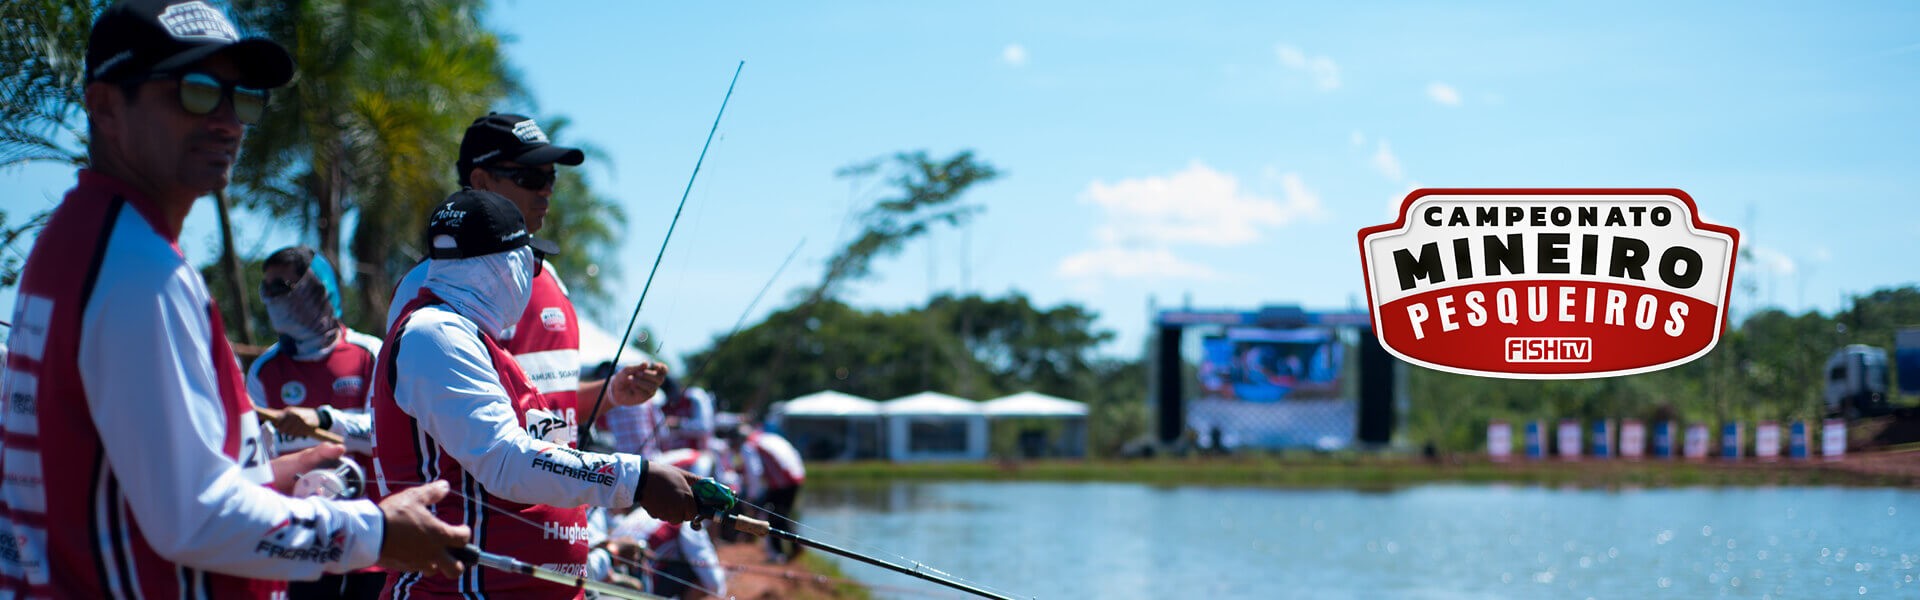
{"x":1365,"y":472}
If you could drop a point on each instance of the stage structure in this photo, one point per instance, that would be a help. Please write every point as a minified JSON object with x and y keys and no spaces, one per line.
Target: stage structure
{"x":1278,"y":377}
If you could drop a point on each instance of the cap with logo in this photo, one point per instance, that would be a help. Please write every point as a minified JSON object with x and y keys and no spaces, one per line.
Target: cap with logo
{"x":136,"y":37}
{"x":473,"y":223}
{"x":507,"y":137}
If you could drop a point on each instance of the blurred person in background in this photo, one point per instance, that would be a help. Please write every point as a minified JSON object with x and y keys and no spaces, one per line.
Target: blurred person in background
{"x":316,"y":374}
{"x":771,"y":478}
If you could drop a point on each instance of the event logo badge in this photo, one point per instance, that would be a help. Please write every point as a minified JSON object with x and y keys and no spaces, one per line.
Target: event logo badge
{"x":1548,"y":283}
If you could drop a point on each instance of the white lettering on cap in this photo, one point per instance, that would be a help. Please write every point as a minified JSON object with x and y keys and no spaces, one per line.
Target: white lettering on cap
{"x":529,"y":132}
{"x":197,"y":20}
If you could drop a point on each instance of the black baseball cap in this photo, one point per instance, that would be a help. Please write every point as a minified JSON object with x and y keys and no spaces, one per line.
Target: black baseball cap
{"x":135,"y":37}
{"x":473,"y":223}
{"x":503,"y":137}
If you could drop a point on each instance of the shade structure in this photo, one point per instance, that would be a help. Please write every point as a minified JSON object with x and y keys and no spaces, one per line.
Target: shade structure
{"x":1038,"y":425}
{"x":597,"y":346}
{"x":829,"y":404}
{"x":934,"y":426}
{"x":830,"y":425}
{"x":1033,"y":404}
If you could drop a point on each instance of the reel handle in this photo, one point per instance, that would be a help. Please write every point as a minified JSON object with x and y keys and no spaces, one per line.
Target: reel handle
{"x":714,"y":498}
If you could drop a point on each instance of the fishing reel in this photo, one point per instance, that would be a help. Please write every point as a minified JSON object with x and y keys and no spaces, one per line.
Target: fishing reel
{"x":714,"y":498}
{"x":717,"y":501}
{"x":343,"y":479}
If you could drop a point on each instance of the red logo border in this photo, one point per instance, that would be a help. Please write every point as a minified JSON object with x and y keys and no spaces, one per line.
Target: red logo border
{"x":1400,"y":222}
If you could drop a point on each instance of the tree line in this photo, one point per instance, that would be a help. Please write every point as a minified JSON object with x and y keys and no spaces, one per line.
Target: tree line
{"x":1769,"y":366}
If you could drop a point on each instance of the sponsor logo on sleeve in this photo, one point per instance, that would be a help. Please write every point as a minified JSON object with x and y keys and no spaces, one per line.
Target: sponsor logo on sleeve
{"x":298,"y":540}
{"x":1548,"y":284}
{"x":574,"y":464}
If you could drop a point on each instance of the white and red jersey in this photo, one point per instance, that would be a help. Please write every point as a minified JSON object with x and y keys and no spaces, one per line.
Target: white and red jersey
{"x":545,"y":342}
{"x":771,"y":463}
{"x":132,"y":458}
{"x":450,"y":403}
{"x":677,"y":543}
{"x":335,"y":378}
{"x":642,"y":428}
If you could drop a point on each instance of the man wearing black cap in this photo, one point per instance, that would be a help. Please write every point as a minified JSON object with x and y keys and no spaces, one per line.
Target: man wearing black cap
{"x":133,"y":461}
{"x":510,"y":155}
{"x":449,"y":401}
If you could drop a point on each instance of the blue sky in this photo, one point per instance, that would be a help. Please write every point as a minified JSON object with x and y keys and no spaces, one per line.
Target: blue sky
{"x":1226,"y":152}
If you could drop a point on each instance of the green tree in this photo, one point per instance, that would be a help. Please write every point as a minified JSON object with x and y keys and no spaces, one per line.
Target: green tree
{"x":370,"y":124}
{"x":925,"y":192}
{"x":586,"y":224}
{"x":41,"y":118}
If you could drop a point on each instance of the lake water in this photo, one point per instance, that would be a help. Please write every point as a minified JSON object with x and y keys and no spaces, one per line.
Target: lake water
{"x":1108,"y":540}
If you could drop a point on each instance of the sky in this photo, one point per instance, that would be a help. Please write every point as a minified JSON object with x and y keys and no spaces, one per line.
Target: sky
{"x":1221,"y":155}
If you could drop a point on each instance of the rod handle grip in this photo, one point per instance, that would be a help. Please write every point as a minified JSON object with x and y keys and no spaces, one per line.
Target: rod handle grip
{"x":749,"y":525}
{"x":275,"y":415}
{"x":468,"y":554}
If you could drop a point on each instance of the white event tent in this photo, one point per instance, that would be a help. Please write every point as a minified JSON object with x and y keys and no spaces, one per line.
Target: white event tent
{"x":934,"y":426}
{"x":829,"y":425}
{"x":1027,"y":409}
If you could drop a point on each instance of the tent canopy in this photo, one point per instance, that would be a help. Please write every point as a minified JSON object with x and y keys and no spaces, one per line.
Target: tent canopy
{"x":1033,"y":404}
{"x":931,"y":403}
{"x":830,"y":404}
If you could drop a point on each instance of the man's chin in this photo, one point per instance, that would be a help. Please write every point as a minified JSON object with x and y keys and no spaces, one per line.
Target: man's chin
{"x":206,"y":183}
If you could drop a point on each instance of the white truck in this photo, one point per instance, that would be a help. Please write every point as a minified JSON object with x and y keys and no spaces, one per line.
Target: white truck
{"x":1858,"y":382}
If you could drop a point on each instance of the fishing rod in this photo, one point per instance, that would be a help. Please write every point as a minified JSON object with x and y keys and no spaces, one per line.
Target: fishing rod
{"x":473,"y":555}
{"x":652,"y":427}
{"x":277,"y":416}
{"x":586,"y":433}
{"x":737,"y":324}
{"x":716,"y":501}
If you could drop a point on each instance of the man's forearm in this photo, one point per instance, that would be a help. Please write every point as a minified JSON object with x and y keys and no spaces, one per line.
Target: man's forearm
{"x":590,"y":400}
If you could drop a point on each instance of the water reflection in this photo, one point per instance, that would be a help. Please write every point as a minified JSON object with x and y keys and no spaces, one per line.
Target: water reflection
{"x":1107,"y":540}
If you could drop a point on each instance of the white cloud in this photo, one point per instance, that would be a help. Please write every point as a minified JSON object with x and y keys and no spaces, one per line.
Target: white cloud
{"x":1326,"y":75}
{"x":1014,"y":54}
{"x":1144,"y":220}
{"x":1359,"y":139}
{"x":1132,"y":263}
{"x":1195,"y":206}
{"x":1393,"y":204}
{"x":1444,"y":94}
{"x":1767,"y":260}
{"x":1386,"y":162}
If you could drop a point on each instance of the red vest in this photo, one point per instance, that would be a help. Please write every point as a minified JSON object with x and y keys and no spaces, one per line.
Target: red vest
{"x":405,"y":456}
{"x":546,"y":345}
{"x":339,"y":380}
{"x":92,"y":548}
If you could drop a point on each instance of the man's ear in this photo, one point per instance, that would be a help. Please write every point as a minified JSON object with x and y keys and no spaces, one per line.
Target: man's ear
{"x":104,"y":103}
{"x":473,"y":179}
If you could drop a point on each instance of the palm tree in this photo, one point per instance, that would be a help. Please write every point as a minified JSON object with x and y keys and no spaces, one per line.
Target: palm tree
{"x":371,"y":122}
{"x":587,"y":224}
{"x":40,"y":106}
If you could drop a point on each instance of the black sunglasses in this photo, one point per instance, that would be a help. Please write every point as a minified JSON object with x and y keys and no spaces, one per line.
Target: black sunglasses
{"x":274,"y":288}
{"x":527,"y":177}
{"x":201,"y":94}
